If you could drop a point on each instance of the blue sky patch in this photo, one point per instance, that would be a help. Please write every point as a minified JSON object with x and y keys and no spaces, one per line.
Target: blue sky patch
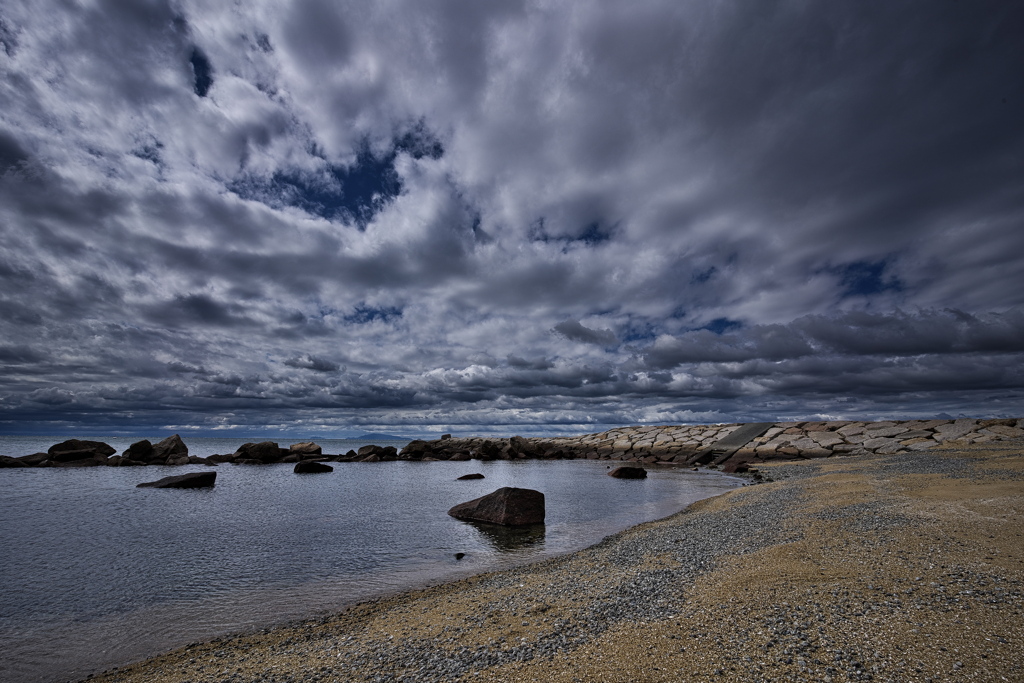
{"x":864,"y":278}
{"x":202,"y":72}
{"x":367,"y":314}
{"x":721,"y":325}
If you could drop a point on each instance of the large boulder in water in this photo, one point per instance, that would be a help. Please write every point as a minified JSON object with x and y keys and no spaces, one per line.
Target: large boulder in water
{"x":192,"y":480}
{"x":139,"y":451}
{"x":312,"y":467}
{"x":74,"y":449}
{"x":170,"y":451}
{"x":628,"y":473}
{"x":508,"y":506}
{"x":416,"y":450}
{"x":171,"y":448}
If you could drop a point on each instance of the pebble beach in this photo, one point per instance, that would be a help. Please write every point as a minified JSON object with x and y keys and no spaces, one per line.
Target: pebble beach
{"x":897,"y":567}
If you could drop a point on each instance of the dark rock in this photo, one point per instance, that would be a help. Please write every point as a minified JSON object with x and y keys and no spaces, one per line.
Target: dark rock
{"x":196,"y":460}
{"x":460,"y":456}
{"x":305,"y":448}
{"x":74,"y":449}
{"x":221,"y":457}
{"x":459,"y":556}
{"x":470,"y":476}
{"x":264,"y":452}
{"x":735,"y":467}
{"x":79,"y":462}
{"x":628,"y":473}
{"x":416,"y":450}
{"x":128,"y":462}
{"x":192,"y":480}
{"x":371,"y":453}
{"x":175,"y":460}
{"x":310,"y":467}
{"x":369,"y":450}
{"x":488,"y":450}
{"x":8,"y":461}
{"x":140,"y":450}
{"x":290,"y":458}
{"x":171,"y":447}
{"x":34,"y":459}
{"x":445,"y":437}
{"x":114,"y":461}
{"x":507,"y":506}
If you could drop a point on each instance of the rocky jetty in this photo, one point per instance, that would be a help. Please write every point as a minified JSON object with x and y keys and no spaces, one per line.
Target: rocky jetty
{"x":507,"y":506}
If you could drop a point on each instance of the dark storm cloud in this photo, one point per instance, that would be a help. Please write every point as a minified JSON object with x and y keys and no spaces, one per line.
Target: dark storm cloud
{"x":315,"y":213}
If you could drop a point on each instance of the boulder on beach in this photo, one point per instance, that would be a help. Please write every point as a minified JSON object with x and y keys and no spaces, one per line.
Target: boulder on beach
{"x":628,"y":473}
{"x":311,"y":467}
{"x":192,"y":480}
{"x":470,"y":476}
{"x":75,"y":449}
{"x":508,"y":506}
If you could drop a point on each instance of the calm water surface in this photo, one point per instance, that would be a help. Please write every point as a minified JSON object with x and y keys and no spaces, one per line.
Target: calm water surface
{"x":99,"y":573}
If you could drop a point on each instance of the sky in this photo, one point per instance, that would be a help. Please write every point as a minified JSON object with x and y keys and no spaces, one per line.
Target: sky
{"x":415,"y":216}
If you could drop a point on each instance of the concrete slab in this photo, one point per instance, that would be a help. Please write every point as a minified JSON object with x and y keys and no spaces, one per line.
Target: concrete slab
{"x":724,"y":448}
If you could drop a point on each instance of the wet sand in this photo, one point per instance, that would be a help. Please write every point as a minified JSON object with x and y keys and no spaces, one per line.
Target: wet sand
{"x":902,"y":567}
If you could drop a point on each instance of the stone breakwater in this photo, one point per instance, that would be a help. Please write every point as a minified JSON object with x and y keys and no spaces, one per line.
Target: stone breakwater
{"x":696,"y":444}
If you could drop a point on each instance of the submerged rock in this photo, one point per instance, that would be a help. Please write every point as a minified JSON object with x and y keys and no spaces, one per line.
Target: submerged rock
{"x":508,"y":506}
{"x":470,"y":476}
{"x":192,"y":480}
{"x":310,"y":467}
{"x":628,"y":473}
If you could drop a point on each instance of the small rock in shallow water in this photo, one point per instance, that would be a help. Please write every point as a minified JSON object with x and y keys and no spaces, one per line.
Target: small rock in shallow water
{"x":628,"y":473}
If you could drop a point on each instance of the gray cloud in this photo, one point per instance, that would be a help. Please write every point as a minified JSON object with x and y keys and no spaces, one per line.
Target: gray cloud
{"x":778,"y":210}
{"x":576,"y":331}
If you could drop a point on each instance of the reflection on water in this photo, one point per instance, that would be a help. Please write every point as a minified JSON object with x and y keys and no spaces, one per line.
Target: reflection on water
{"x":511,"y":538}
{"x":98,"y":572}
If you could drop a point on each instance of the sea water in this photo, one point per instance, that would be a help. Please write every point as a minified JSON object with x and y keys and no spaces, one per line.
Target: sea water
{"x":98,"y":573}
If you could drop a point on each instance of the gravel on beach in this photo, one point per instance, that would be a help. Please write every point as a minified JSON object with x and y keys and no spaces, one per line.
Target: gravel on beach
{"x":869,"y":568}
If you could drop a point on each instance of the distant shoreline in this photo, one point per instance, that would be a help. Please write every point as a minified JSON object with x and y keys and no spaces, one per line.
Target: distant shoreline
{"x":729,"y":446}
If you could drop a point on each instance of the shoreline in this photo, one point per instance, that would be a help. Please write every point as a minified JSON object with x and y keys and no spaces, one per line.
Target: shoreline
{"x":871,"y":567}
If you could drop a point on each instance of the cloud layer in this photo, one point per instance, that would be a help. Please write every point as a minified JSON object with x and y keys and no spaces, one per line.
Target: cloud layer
{"x":317,"y":216}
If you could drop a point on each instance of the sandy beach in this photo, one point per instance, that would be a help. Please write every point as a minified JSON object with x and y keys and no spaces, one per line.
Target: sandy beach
{"x":905,"y":567}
